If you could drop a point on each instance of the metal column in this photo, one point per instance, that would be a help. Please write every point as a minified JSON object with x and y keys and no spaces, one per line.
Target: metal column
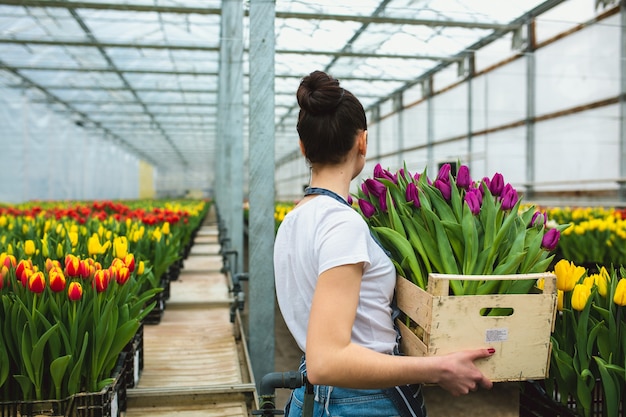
{"x":230,"y":127}
{"x":622,"y":106}
{"x":530,"y":111}
{"x":261,"y":179}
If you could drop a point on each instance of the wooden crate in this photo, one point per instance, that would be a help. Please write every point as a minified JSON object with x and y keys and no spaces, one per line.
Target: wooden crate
{"x":452,"y":323}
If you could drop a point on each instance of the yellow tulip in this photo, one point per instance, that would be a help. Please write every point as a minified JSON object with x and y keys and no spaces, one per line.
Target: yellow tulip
{"x":29,"y":247}
{"x":156,"y":234}
{"x":620,"y":293}
{"x":165,"y":228}
{"x":120,"y":247}
{"x":45,"y":251}
{"x":141,"y":268}
{"x":567,"y":275}
{"x":94,"y":247}
{"x":73,"y":236}
{"x":602,"y":280}
{"x":60,"y":251}
{"x":580,"y":296}
{"x":3,"y":221}
{"x":559,"y":300}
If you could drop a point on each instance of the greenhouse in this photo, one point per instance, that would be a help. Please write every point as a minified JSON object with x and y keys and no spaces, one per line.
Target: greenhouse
{"x":153,"y":148}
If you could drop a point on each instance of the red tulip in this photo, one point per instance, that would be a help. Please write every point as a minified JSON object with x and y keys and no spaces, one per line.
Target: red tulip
{"x":74,"y":291}
{"x":121,"y":275}
{"x":72,"y":266}
{"x":129,"y":261}
{"x":57,"y":279}
{"x":101,"y":279}
{"x":37,"y":282}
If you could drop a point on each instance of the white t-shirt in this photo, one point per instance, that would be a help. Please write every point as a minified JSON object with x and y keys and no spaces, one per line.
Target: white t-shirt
{"x":321,"y":234}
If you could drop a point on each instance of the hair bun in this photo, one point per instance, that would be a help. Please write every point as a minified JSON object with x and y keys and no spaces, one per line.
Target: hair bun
{"x":319,"y":93}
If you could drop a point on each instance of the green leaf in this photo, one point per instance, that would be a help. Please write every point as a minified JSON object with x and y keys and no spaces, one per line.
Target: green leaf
{"x":4,"y":361}
{"x":73,"y":384}
{"x":58,"y":367}
{"x":26,"y":385}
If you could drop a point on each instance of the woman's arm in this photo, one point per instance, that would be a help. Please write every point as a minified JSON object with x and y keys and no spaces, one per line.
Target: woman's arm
{"x":333,"y":360}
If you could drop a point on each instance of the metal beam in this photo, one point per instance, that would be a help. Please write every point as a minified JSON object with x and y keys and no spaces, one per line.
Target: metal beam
{"x":375,"y":19}
{"x":189,"y":47}
{"x":196,"y":73}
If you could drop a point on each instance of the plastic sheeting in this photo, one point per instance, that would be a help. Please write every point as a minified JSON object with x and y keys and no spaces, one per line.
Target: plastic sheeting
{"x":46,"y":156}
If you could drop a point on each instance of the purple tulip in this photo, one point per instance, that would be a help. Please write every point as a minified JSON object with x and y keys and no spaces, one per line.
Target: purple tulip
{"x":509,"y":197}
{"x":550,"y":239}
{"x":487,"y":183}
{"x":376,"y":188}
{"x":444,"y":173}
{"x":350,"y":200}
{"x":444,"y":187}
{"x":496,"y":185}
{"x":367,"y":208}
{"x":473,"y":198}
{"x":539,"y":219}
{"x":382,"y":200}
{"x":380,"y":172}
{"x":365,"y":190}
{"x":405,"y":174}
{"x":463,"y":179}
{"x":412,"y":195}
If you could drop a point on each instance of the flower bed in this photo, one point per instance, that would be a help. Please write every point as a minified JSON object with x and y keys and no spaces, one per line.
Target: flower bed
{"x":75,"y":286}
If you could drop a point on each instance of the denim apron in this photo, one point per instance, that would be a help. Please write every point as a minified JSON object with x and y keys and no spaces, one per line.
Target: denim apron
{"x":328,"y":401}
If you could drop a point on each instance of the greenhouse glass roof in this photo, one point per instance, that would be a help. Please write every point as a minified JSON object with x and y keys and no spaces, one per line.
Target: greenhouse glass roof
{"x":145,"y":73}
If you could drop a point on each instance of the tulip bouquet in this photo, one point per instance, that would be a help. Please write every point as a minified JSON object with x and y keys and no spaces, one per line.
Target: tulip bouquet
{"x":589,"y":340}
{"x":64,"y":325}
{"x":455,"y":225}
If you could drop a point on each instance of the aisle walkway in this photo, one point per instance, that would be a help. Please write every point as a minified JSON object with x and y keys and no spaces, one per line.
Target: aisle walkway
{"x":195,"y":363}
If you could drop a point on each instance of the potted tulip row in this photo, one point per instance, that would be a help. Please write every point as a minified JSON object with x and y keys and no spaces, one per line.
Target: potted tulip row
{"x":76,"y":286}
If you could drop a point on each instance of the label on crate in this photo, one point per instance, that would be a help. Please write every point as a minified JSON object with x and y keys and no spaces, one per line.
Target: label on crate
{"x":496,"y":335}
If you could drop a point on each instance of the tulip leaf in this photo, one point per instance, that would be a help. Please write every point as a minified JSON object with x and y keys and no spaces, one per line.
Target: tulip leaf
{"x":73,"y":384}
{"x":27,"y":348}
{"x":470,"y":255}
{"x":404,"y":249}
{"x":610,"y":387}
{"x":123,"y":335}
{"x":4,"y":361}
{"x":416,"y":242}
{"x":25,"y":384}
{"x":104,"y":383}
{"x":584,"y":386}
{"x":58,"y":367}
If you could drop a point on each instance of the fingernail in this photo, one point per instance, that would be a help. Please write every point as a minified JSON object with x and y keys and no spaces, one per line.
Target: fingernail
{"x":491,"y":351}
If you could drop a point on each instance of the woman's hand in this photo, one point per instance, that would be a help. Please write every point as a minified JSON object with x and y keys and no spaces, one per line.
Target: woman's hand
{"x":459,"y":375}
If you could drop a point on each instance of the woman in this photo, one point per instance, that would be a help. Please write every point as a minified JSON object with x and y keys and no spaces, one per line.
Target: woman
{"x":335,"y":284}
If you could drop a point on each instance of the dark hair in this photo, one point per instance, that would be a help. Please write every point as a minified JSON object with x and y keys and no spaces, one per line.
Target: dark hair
{"x":329,"y":119}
